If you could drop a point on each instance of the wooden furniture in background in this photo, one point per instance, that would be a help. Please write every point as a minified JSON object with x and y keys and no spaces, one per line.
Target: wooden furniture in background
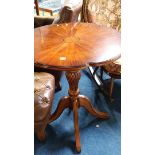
{"x":38,"y":8}
{"x":108,"y":13}
{"x":75,"y":46}
{"x":114,"y":71}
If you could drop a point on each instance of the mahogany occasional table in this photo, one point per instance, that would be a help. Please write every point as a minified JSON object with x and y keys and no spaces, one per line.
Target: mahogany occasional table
{"x":72,"y":47}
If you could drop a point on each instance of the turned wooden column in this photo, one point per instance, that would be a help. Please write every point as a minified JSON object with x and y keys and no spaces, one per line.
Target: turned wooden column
{"x":73,"y":78}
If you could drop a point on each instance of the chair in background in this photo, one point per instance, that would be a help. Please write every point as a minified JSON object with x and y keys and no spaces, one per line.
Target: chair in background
{"x":108,"y":13}
{"x":114,"y":71}
{"x":36,"y":6}
{"x":69,"y":13}
{"x":39,"y":8}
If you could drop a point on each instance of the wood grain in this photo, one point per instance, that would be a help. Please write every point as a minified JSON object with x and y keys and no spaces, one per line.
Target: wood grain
{"x":75,"y":45}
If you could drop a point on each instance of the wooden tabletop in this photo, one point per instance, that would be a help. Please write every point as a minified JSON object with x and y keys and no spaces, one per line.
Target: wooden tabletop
{"x":75,"y":45}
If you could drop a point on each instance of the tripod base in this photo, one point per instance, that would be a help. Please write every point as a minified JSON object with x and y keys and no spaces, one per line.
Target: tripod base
{"x":82,"y":101}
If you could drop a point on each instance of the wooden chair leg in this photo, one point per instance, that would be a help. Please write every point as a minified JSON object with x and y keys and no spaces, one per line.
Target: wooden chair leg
{"x":101,"y":72}
{"x":37,"y":7}
{"x":111,"y":88}
{"x":58,"y":86}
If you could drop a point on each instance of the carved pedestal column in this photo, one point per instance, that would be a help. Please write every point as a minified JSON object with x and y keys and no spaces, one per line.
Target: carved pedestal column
{"x":74,"y":101}
{"x":73,"y":80}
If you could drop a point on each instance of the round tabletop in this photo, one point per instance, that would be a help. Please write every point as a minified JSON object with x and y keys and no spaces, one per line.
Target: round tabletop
{"x":75,"y":45}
